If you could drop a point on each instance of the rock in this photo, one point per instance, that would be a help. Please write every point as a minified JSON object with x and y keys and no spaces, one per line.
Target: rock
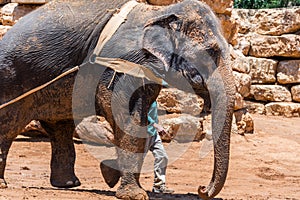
{"x":12,"y":12}
{"x":283,"y":109}
{"x":182,"y":128}
{"x":270,"y":46}
{"x":3,"y":30}
{"x":255,"y":107}
{"x":243,"y":18}
{"x":244,"y":122}
{"x":243,"y":44}
{"x":262,"y":70}
{"x":30,"y":1}
{"x":239,"y":61}
{"x":268,"y":21}
{"x":95,"y":129}
{"x":159,"y":2}
{"x":277,"y":21}
{"x":239,"y":102}
{"x":296,"y":93}
{"x":234,"y":128}
{"x":220,"y":6}
{"x":288,"y":72}
{"x":270,"y":93}
{"x":207,"y":128}
{"x":186,"y":128}
{"x":229,"y":27}
{"x":6,"y":12}
{"x":4,"y":2}
{"x":242,"y":83}
{"x":34,"y":129}
{"x":176,"y":101}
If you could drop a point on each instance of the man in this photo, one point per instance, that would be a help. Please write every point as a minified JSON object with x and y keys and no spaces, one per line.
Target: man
{"x":156,"y":147}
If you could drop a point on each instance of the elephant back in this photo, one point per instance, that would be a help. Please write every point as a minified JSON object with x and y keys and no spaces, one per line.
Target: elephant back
{"x":49,"y":41}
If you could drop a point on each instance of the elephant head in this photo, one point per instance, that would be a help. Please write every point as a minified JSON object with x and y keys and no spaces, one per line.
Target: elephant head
{"x":189,"y":44}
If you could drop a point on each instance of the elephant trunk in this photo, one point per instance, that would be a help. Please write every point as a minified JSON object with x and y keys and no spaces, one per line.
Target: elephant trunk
{"x":221,"y":163}
{"x":222,"y":94}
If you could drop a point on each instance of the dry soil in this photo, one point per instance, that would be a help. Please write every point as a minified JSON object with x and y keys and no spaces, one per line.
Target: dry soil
{"x":265,"y":165}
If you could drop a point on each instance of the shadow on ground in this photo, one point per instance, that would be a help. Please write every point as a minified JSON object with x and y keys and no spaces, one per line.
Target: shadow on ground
{"x":152,"y":196}
{"x":189,"y":196}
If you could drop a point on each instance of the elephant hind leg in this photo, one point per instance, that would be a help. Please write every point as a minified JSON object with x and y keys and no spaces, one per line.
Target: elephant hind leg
{"x":5,"y":144}
{"x":63,"y":153}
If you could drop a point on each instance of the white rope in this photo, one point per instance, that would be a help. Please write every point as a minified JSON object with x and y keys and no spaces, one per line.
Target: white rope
{"x":39,"y":88}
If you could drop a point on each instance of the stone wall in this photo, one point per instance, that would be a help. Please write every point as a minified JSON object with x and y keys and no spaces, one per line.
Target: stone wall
{"x":12,"y":10}
{"x":269,"y":42}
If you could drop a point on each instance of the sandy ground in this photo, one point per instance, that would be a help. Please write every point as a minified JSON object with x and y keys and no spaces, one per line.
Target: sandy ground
{"x":265,"y":165}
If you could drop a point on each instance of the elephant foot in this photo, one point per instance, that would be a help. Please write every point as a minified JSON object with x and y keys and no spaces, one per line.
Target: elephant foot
{"x":3,"y":183}
{"x":63,"y":153}
{"x":65,"y":183}
{"x":110,"y":172}
{"x":131,"y":192}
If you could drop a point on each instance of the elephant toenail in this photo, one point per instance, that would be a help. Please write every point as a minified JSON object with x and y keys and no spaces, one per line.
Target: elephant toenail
{"x":69,"y":183}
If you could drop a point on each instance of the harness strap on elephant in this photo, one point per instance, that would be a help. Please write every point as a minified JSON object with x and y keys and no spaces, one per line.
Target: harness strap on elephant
{"x":116,"y":64}
{"x":113,"y":24}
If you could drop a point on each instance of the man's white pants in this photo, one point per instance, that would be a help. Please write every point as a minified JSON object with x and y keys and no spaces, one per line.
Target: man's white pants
{"x":160,"y":159}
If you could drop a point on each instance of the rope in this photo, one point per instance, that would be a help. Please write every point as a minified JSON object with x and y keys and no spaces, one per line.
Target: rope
{"x":74,"y":69}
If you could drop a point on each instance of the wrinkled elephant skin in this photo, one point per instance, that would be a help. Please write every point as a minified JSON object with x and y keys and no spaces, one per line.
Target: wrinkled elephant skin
{"x":181,"y":43}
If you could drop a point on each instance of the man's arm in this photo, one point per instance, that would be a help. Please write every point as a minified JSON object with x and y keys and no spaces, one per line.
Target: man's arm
{"x":160,"y":129}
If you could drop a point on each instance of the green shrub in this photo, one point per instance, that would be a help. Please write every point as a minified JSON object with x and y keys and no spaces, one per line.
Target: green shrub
{"x":257,"y":4}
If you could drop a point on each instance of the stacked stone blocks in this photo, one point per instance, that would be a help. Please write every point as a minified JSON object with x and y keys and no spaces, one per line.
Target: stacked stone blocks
{"x":269,"y":40}
{"x":11,"y":11}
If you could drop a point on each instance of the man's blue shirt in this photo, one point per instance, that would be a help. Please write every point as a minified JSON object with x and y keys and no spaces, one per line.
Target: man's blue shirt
{"x":152,"y":118}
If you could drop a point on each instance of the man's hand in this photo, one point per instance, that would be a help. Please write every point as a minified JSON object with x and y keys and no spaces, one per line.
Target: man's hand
{"x":160,"y":130}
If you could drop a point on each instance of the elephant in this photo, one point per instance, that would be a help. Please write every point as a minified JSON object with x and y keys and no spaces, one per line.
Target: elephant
{"x":181,"y":43}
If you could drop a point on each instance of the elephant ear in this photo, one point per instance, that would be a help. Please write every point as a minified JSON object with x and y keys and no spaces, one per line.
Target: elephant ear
{"x":158,"y":38}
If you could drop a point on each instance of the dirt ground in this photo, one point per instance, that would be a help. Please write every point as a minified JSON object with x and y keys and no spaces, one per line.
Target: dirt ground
{"x":265,"y":165}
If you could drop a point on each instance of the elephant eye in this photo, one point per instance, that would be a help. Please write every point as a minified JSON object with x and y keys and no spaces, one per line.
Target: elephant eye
{"x":175,"y":26}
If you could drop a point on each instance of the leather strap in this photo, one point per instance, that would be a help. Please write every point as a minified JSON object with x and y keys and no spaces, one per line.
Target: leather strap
{"x":127,"y":67}
{"x":113,"y":24}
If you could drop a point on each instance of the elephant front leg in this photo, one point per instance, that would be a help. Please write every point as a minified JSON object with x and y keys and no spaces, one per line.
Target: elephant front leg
{"x":5,"y":144}
{"x":130,"y":161}
{"x":63,"y":154}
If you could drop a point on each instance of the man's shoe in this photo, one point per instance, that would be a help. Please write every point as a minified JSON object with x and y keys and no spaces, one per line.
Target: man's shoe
{"x":162,"y":189}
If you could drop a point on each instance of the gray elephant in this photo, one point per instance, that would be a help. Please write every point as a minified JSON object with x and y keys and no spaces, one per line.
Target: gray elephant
{"x":180,"y":43}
